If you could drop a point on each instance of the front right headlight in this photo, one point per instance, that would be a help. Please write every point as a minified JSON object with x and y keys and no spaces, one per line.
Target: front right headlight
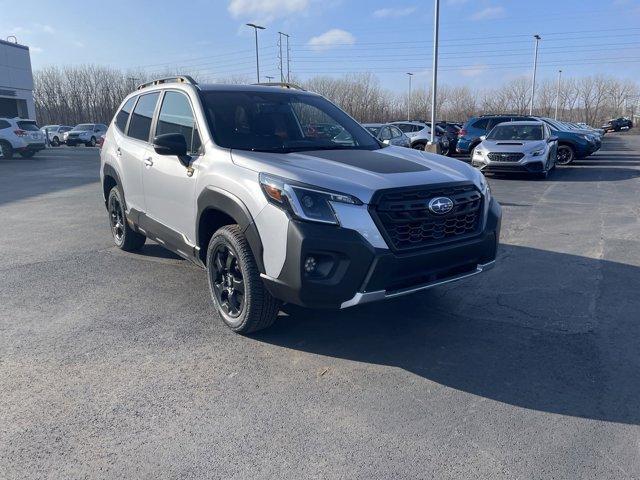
{"x":302,"y":201}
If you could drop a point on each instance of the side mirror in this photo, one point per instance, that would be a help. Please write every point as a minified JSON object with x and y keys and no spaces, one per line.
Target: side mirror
{"x":483,"y":138}
{"x":170,"y":144}
{"x":552,"y":138}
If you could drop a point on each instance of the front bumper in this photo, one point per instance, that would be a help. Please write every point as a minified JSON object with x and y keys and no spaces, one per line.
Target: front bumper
{"x":354,"y":272}
{"x":527,"y":164}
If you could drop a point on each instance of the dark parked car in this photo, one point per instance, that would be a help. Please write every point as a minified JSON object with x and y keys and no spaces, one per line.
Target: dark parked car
{"x":617,"y":124}
{"x":476,"y":127}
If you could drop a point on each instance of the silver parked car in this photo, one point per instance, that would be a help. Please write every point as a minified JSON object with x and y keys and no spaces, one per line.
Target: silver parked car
{"x":388,"y":134}
{"x":518,"y":147}
{"x":55,"y":133}
{"x":420,"y":134}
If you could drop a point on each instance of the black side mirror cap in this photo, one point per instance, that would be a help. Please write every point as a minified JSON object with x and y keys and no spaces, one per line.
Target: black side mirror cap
{"x":170,"y":144}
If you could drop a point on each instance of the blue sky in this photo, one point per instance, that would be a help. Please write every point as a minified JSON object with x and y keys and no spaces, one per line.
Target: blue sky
{"x":483,"y":42}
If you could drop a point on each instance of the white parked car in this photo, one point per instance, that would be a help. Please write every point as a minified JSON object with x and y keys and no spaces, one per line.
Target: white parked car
{"x":55,"y":133}
{"x":19,"y":135}
{"x":388,"y":134}
{"x":86,"y":134}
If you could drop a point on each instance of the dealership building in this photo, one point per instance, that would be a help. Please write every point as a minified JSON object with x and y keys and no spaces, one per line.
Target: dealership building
{"x":16,"y":81}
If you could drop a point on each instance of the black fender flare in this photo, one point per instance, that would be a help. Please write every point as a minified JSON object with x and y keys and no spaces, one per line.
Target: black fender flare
{"x":110,"y":171}
{"x":213,"y":198}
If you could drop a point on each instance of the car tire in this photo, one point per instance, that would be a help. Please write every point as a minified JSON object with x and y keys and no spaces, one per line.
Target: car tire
{"x":27,"y":154}
{"x":91,"y":143}
{"x":124,"y":237}
{"x":55,"y":142}
{"x":565,"y":155}
{"x":237,"y":291}
{"x":7,"y":150}
{"x":419,"y":146}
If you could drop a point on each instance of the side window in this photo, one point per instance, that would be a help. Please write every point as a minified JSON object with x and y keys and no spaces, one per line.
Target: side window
{"x":176,"y":116}
{"x":395,"y":132}
{"x":123,"y":115}
{"x":385,"y":134}
{"x":140,"y":123}
{"x":405,"y":128}
{"x":4,"y":124}
{"x":496,"y":120}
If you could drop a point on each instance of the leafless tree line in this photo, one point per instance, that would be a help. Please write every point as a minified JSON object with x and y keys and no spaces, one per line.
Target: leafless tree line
{"x":91,"y":93}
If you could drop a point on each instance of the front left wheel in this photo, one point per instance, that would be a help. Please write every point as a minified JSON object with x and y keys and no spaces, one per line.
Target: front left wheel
{"x":239,"y":295}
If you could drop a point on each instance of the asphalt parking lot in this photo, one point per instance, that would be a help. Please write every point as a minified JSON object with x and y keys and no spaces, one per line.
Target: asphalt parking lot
{"x":112,"y":365}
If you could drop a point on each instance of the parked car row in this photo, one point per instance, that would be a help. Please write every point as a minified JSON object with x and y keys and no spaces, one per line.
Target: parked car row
{"x":574,"y":141}
{"x":84,"y":133}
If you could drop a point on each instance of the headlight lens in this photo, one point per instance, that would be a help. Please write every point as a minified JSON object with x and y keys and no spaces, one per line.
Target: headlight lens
{"x":302,"y":201}
{"x":537,"y":153}
{"x":477,"y":152}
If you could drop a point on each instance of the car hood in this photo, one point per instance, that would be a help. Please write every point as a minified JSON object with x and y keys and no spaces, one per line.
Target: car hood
{"x":360,"y":172}
{"x":512,"y":145}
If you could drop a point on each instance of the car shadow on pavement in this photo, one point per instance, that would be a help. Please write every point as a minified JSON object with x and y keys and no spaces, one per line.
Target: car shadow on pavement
{"x":545,"y":331}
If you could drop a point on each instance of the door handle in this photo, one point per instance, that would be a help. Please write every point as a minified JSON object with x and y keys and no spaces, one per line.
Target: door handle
{"x":148,"y":162}
{"x":118,"y":151}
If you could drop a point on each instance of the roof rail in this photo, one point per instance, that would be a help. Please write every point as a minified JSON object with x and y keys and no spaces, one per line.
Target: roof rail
{"x":176,"y":79}
{"x":292,"y":86}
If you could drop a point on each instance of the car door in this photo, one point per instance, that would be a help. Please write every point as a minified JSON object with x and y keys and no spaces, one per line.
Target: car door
{"x":169,"y":182}
{"x":133,"y":146}
{"x":398,"y":138}
{"x":385,"y":135}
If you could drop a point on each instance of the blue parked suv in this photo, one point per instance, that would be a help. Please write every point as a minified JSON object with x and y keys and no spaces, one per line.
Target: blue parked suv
{"x":476,"y":127}
{"x":572,"y":144}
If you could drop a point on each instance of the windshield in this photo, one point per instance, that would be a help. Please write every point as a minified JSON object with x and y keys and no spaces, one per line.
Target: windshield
{"x":282,"y":122}
{"x":516,"y":132}
{"x":83,"y":127}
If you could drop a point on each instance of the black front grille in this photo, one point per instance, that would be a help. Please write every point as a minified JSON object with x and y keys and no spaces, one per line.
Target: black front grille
{"x":505,"y":157}
{"x":407,"y":223}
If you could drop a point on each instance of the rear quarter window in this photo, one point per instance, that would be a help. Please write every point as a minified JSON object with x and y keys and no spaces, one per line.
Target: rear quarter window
{"x":123,"y":115}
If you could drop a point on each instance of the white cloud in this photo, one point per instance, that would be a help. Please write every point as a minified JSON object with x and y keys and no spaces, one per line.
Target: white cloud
{"x":266,"y":10}
{"x":331,"y":39}
{"x":36,"y":50}
{"x":394,"y":12}
{"x":488,"y":13}
{"x":473,"y":71}
{"x":46,"y":28}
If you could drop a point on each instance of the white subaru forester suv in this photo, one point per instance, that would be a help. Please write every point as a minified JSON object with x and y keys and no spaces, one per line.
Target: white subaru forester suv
{"x":239,"y":180}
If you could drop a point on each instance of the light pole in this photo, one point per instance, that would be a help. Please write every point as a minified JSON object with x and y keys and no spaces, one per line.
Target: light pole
{"x":535,"y":68}
{"x":434,"y":83}
{"x":269,"y":78}
{"x":255,"y":29}
{"x":409,"y":97}
{"x":558,"y":94}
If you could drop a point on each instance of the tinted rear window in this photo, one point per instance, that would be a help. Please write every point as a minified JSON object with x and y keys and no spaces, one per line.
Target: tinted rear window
{"x":140,"y":124}
{"x":29,"y":126}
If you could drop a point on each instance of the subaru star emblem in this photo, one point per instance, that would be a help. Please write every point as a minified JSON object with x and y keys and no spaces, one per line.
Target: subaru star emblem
{"x":440,"y":205}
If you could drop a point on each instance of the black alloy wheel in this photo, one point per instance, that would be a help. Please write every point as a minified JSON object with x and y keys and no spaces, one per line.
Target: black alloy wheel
{"x":55,"y":142}
{"x":228,"y":281}
{"x":116,"y":219}
{"x":92,"y":142}
{"x":565,"y":155}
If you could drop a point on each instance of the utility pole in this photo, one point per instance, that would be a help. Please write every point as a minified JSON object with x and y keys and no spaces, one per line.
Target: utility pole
{"x":558,"y":94}
{"x":409,"y":97}
{"x":535,"y":68}
{"x":288,"y":62}
{"x":281,"y":59}
{"x":280,"y":56}
{"x":255,"y":29}
{"x":434,"y":83}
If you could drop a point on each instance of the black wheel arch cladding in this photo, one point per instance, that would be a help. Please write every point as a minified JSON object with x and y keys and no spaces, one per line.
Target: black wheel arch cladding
{"x":216,"y":199}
